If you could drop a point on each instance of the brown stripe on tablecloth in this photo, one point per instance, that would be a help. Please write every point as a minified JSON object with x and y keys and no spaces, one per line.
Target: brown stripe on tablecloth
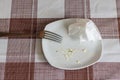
{"x":90,"y":73}
{"x":34,"y":28}
{"x":2,"y":70}
{"x":43,"y":71}
{"x":21,"y":25}
{"x":33,"y":43}
{"x":4,"y":25}
{"x":108,"y":27}
{"x":87,"y":9}
{"x":19,"y":49}
{"x":32,"y":65}
{"x":21,"y":52}
{"x":74,"y":8}
{"x":21,"y":8}
{"x":118,"y":8}
{"x":18,"y":54}
{"x":118,"y":14}
{"x":17,"y":71}
{"x":76,"y":74}
{"x":119,"y":27}
{"x":42,"y":22}
{"x":106,"y":71}
{"x":35,"y":8}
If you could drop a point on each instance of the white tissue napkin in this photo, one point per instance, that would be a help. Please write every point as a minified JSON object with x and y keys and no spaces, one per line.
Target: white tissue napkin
{"x":85,"y":30}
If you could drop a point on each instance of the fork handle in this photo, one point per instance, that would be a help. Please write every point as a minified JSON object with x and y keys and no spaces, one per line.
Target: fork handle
{"x":23,"y":35}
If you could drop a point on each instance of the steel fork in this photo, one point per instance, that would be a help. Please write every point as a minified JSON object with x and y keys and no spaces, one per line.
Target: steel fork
{"x":42,"y":34}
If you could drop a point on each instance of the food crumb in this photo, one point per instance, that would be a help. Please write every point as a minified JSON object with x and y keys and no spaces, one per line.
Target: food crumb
{"x":68,"y":53}
{"x":78,"y":61}
{"x":84,"y":50}
{"x":70,"y":50}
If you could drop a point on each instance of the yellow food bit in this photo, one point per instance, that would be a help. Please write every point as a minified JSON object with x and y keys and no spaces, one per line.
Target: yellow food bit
{"x":78,"y":61}
{"x":68,"y":53}
{"x":84,"y":50}
{"x":70,"y":50}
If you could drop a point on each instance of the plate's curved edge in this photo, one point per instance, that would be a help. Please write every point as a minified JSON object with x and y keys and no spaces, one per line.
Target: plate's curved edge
{"x":72,"y":68}
{"x":97,"y":29}
{"x":62,"y":20}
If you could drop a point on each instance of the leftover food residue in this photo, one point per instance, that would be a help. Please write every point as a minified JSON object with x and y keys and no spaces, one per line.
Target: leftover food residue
{"x":68,"y":53}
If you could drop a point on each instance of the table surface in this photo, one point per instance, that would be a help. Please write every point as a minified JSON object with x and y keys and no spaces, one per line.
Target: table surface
{"x":23,"y":59}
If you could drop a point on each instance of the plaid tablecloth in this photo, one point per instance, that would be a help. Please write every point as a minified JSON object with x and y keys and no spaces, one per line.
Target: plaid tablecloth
{"x":22,"y":59}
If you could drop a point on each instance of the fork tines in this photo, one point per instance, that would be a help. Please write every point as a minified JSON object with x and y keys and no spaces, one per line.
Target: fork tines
{"x":52,"y":36}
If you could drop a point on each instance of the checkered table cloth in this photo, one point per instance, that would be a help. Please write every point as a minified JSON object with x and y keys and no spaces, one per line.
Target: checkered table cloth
{"x":22,"y":59}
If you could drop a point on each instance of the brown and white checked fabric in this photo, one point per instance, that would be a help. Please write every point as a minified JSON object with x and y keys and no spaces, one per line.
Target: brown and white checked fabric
{"x":22,"y":59}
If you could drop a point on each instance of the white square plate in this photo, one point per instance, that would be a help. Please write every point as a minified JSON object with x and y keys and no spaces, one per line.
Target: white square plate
{"x":83,"y":54}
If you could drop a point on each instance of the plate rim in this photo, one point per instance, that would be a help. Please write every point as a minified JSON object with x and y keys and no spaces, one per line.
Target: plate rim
{"x":101,"y":47}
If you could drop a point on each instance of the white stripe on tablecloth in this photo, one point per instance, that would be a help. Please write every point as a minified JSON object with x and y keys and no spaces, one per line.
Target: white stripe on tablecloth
{"x":103,"y":9}
{"x":39,"y":57}
{"x":5,"y":7}
{"x":3,"y":49}
{"x":50,"y":9}
{"x":111,"y":46}
{"x":110,"y":58}
{"x":111,"y":51}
